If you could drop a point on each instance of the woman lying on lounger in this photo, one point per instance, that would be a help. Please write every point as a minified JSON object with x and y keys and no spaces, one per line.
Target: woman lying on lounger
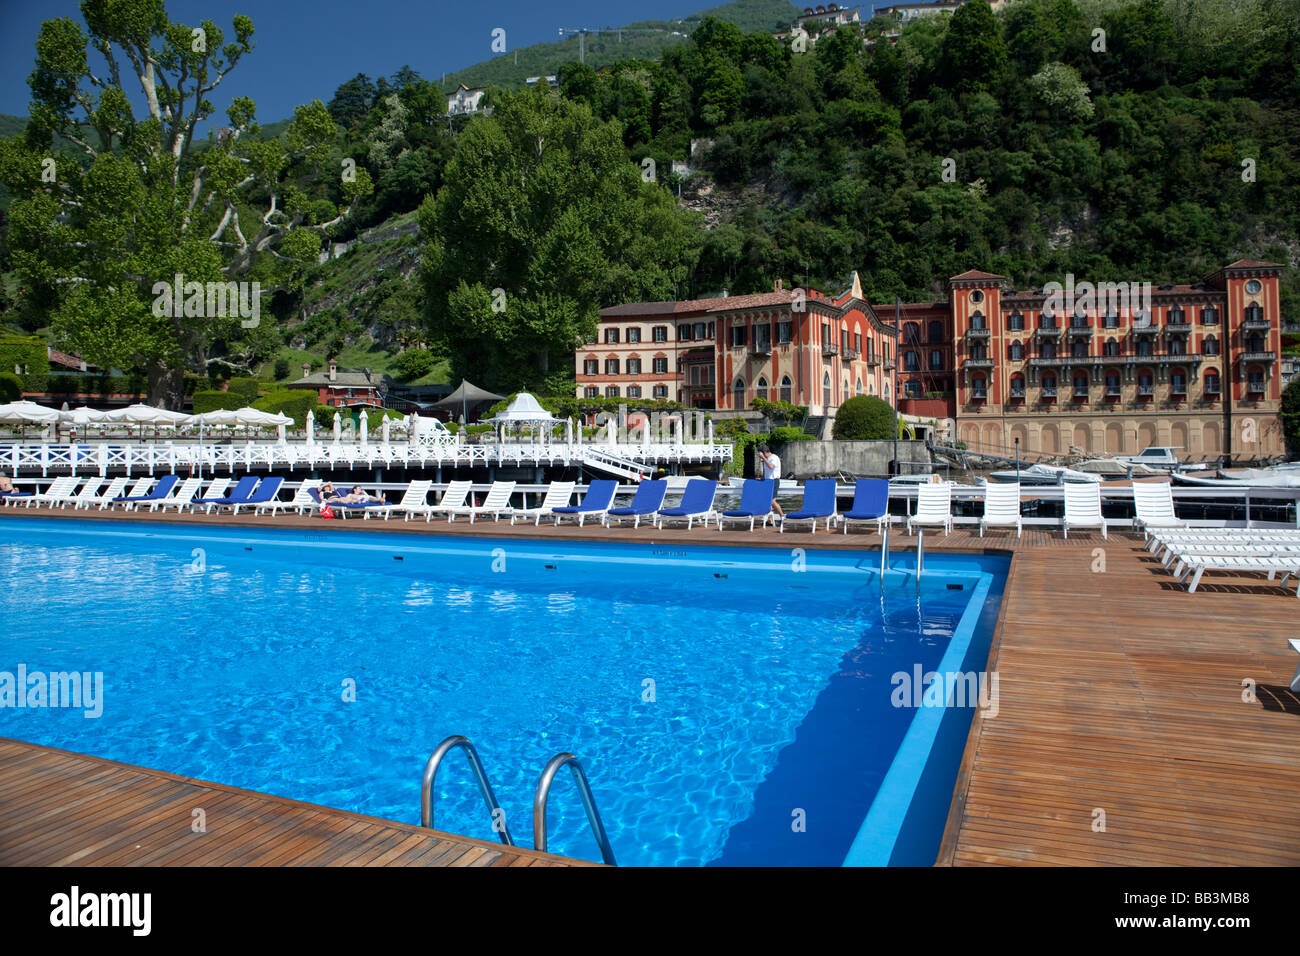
{"x":331,"y":495}
{"x":6,"y":485}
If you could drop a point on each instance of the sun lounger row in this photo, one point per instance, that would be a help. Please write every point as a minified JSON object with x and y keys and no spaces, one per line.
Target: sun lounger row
{"x":1189,"y":553}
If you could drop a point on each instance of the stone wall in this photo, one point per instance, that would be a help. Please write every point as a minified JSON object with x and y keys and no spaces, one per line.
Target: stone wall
{"x":808,"y":459}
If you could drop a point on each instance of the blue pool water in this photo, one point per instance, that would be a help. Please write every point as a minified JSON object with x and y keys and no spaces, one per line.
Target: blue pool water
{"x":714,"y":695}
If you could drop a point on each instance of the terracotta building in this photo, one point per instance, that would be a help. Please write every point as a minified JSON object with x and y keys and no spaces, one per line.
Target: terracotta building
{"x":1106,"y":370}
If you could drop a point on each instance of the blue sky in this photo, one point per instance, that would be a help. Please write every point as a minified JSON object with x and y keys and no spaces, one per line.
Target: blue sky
{"x":305,"y":48}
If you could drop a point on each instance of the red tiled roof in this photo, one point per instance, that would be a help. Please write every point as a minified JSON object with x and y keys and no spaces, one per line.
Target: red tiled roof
{"x":975,"y":274}
{"x":1252,"y":264}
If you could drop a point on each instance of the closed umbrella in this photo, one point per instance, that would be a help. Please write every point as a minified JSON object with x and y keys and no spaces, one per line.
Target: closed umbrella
{"x":311,"y":426}
{"x":386,"y":428}
{"x":338,"y":428}
{"x":365,"y":427}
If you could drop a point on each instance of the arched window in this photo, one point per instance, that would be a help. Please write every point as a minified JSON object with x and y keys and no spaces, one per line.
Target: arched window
{"x":1254,"y":313}
{"x":1079,"y":349}
{"x":1146,"y":383}
{"x":760,"y":390}
{"x":1017,"y":351}
{"x":826,"y":388}
{"x":1081,"y":387}
{"x":1111,"y":348}
{"x":1178,"y":382}
{"x":1210,"y":345}
{"x":1016,"y":321}
{"x":979,"y":388}
{"x":977,"y":320}
{"x":858,"y":390}
{"x":1049,"y":386}
{"x":738,"y":397}
{"x":1018,"y":387}
{"x":1112,"y":386}
{"x":785,"y":388}
{"x":1212,"y":386}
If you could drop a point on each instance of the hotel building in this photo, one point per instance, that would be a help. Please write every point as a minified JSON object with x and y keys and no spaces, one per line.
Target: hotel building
{"x":1197,"y":367}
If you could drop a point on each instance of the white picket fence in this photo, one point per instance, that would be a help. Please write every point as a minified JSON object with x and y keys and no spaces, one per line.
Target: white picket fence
{"x":134,"y":457}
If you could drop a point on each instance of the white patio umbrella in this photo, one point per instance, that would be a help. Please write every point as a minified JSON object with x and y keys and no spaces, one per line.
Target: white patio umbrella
{"x":85,"y":415}
{"x":365,"y":427}
{"x":338,"y":428}
{"x":141,"y":414}
{"x":386,"y":428}
{"x":27,"y":413}
{"x":311,"y":427}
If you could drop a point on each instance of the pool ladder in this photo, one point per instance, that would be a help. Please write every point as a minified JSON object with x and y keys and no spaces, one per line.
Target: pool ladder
{"x":541,"y":795}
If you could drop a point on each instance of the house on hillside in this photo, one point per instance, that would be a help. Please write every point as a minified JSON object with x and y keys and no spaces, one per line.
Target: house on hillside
{"x":464,"y":100}
{"x":341,"y":388}
{"x":907,"y":12}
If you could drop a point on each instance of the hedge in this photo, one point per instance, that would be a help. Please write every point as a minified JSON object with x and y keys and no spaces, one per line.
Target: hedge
{"x":29,"y":351}
{"x":105,"y":384}
{"x":11,"y":387}
{"x":864,"y":418}
{"x":296,"y":403}
{"x":211,"y":400}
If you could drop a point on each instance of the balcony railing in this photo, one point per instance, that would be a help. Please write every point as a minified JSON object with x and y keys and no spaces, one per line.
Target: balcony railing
{"x":1178,"y":326}
{"x":829,"y":349}
{"x":761,"y":348}
{"x":873,"y":359}
{"x":849,"y":355}
{"x":1079,"y":331}
{"x":889,"y":364}
{"x":1256,"y":325}
{"x":979,"y":363}
{"x":974,"y":333}
{"x":1258,"y":357}
{"x":1047,"y":331}
{"x":1049,"y":391}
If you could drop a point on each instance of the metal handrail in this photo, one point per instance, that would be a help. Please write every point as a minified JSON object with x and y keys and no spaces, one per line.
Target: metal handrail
{"x":543,"y":793}
{"x":480,"y":775}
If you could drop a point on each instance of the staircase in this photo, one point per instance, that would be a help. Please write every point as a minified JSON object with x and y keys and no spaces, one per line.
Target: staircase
{"x":610,"y":464}
{"x":815,"y":425}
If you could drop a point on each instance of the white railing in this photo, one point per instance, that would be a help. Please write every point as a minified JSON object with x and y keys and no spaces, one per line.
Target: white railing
{"x":150,"y":457}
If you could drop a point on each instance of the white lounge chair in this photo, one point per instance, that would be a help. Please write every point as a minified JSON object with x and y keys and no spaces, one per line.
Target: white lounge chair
{"x":1154,"y":506}
{"x":108,"y":494}
{"x":1176,"y":554}
{"x":86,"y":496}
{"x":496,"y":503}
{"x":300,"y":502}
{"x":1083,"y":507}
{"x":453,"y":497}
{"x":59,"y":492}
{"x":558,"y":494}
{"x":1001,"y":506}
{"x":933,"y":506}
{"x":1197,"y":564}
{"x":138,"y":490}
{"x":1295,"y":678}
{"x":413,"y":499}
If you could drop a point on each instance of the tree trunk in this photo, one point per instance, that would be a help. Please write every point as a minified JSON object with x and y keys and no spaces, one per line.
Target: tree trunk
{"x":166,"y":387}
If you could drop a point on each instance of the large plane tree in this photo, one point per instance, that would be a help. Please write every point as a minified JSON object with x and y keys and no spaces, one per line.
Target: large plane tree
{"x":112,"y":195}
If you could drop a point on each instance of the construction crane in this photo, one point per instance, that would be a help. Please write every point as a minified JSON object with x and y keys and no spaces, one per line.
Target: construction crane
{"x":582,"y":35}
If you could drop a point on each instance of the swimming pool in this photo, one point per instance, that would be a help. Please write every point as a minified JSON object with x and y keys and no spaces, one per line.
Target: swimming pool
{"x":731,"y":706}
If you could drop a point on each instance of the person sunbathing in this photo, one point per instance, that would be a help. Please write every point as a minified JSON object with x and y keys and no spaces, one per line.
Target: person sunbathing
{"x":331,"y":495}
{"x":7,"y":485}
{"x":360,"y":496}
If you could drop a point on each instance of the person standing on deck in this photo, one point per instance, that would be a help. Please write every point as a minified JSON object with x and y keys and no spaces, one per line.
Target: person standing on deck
{"x":771,"y":469}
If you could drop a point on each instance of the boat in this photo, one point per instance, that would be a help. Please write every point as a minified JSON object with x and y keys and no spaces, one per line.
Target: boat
{"x":1111,"y":468}
{"x":1044,"y":475}
{"x":1279,"y":476}
{"x":1163,"y":458}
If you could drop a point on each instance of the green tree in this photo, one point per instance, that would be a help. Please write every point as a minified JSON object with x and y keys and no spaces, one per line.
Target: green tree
{"x":99,"y":236}
{"x":864,"y":418}
{"x":541,"y":221}
{"x":1291,"y":412}
{"x":973,"y":55}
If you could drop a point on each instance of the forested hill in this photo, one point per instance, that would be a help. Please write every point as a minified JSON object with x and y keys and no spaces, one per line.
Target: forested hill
{"x":644,"y":40}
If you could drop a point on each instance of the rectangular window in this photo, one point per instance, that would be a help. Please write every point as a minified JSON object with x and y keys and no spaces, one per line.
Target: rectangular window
{"x":826,"y":333}
{"x":592,"y":391}
{"x":611,"y":391}
{"x":739,"y":336}
{"x":1211,"y":384}
{"x":611,"y":336}
{"x":979,"y":389}
{"x":633,"y":366}
{"x":633,"y":335}
{"x":684,"y":333}
{"x":912,"y":389}
{"x":661,"y":391}
{"x":591,"y":367}
{"x":634,"y":391}
{"x":661,"y":366}
{"x":1144,"y":385}
{"x":1177,"y":384}
{"x":1017,"y":388}
{"x":1256,"y":383}
{"x":1016,"y":322}
{"x":783,"y":332}
{"x":1209,"y":315}
{"x":661,"y":333}
{"x":700,"y":333}
{"x":611,"y":366}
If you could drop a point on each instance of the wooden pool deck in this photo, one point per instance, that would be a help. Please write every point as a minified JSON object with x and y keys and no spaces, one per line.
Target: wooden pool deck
{"x":1124,"y":734}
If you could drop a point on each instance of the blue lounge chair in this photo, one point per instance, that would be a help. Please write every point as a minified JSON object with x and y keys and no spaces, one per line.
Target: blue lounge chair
{"x":266,"y":491}
{"x":818,"y":502}
{"x":159,"y":492}
{"x":599,"y":496}
{"x":239,"y":495}
{"x":755,"y":502}
{"x":648,"y":499}
{"x":697,"y":502}
{"x":870,"y":503}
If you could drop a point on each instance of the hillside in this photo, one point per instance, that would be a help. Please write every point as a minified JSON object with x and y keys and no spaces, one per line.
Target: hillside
{"x":510,"y":69}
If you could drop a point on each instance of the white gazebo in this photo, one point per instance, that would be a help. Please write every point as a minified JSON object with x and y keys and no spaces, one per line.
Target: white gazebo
{"x":525,"y":412}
